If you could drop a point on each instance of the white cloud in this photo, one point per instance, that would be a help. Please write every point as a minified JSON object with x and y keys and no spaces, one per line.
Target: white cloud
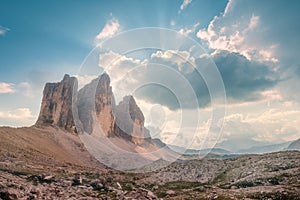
{"x":253,"y":22}
{"x":187,"y":31}
{"x":209,"y":33}
{"x":228,"y":7}
{"x":19,"y":113}
{"x":276,"y":124}
{"x":84,"y":79}
{"x":24,"y":88}
{"x":177,"y":57}
{"x":237,"y":34}
{"x":3,"y":30}
{"x":117,"y":65}
{"x":110,"y":29}
{"x":271,"y":95}
{"x":17,"y":117}
{"x":249,"y":28}
{"x":184,"y":4}
{"x":7,"y":88}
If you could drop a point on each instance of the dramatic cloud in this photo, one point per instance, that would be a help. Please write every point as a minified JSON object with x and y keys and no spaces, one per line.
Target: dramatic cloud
{"x":243,"y":79}
{"x":110,"y":29}
{"x":184,"y":4}
{"x":258,"y":31}
{"x":255,"y":47}
{"x":3,"y":30}
{"x":237,"y":37}
{"x":7,"y":88}
{"x":127,"y":74}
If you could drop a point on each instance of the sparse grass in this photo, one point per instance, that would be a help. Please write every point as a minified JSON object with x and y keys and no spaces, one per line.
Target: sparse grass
{"x":274,"y":196}
{"x":245,"y":184}
{"x":161,"y":194}
{"x":221,"y":177}
{"x":149,"y":186}
{"x":127,"y":185}
{"x":180,"y":185}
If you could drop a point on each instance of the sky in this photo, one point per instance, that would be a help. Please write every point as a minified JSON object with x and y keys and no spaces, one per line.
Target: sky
{"x":253,"y":44}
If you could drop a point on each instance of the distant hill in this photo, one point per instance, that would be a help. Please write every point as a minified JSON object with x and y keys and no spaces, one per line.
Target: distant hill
{"x":265,"y":149}
{"x":185,"y":151}
{"x":235,"y":144}
{"x":209,"y":150}
{"x":294,"y":145}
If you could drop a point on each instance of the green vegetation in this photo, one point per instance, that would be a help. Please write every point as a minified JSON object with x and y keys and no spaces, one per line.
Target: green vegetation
{"x":180,"y":185}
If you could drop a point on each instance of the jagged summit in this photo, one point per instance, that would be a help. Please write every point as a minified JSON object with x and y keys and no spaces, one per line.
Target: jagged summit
{"x":95,"y":103}
{"x":130,"y":119}
{"x":96,"y":106}
{"x":56,"y":106}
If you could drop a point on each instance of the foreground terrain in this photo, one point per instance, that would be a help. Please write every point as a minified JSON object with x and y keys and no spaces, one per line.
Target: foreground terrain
{"x":48,"y":163}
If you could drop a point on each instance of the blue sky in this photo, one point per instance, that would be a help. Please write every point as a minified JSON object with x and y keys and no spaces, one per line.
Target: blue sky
{"x":45,"y":40}
{"x":56,"y":33}
{"x":254,"y":43}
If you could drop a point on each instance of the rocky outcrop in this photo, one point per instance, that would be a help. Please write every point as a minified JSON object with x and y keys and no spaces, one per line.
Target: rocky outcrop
{"x":130,"y":120}
{"x":56,"y":107}
{"x":85,"y":105}
{"x":95,"y":107}
{"x":95,"y":103}
{"x":104,"y":105}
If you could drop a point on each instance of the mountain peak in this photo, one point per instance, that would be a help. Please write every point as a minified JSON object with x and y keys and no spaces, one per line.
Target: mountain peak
{"x":56,"y":106}
{"x":66,"y":77}
{"x":130,"y":119}
{"x":96,"y":107}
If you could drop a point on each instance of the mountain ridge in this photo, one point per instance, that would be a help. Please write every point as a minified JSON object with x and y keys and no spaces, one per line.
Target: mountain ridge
{"x":94,"y":109}
{"x":295,"y":145}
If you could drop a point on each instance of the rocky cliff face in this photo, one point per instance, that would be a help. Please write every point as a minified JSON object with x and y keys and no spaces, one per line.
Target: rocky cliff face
{"x":56,"y":107}
{"x":95,"y":103}
{"x":104,"y":105}
{"x":130,"y":120}
{"x":96,"y":108}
